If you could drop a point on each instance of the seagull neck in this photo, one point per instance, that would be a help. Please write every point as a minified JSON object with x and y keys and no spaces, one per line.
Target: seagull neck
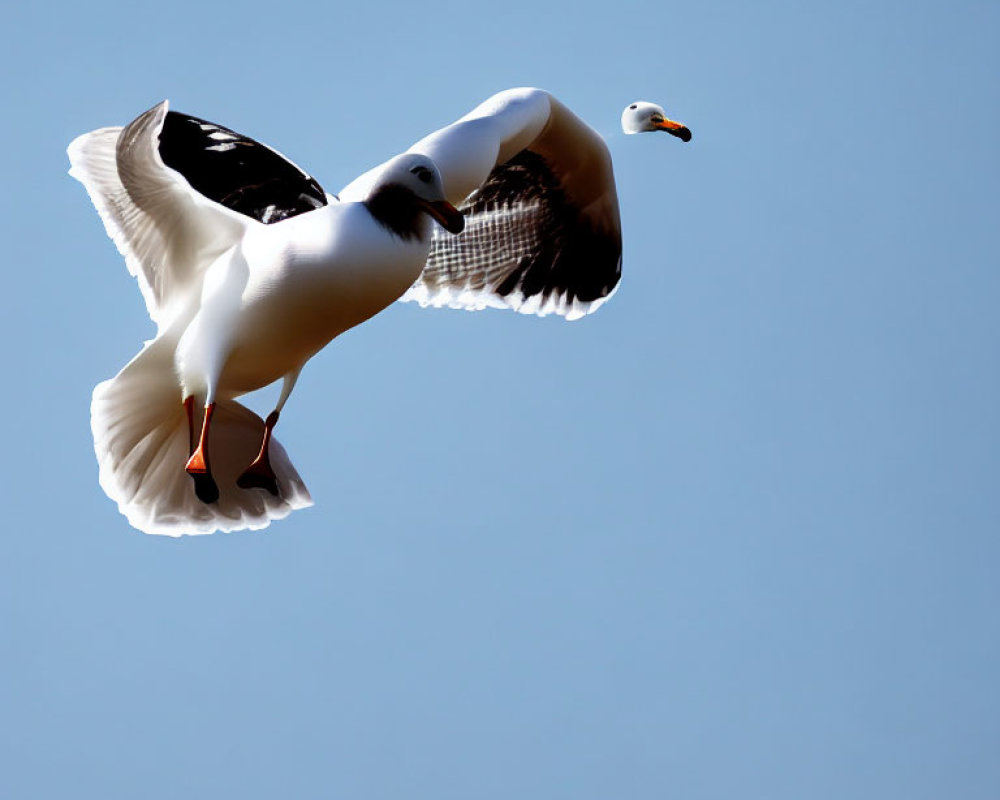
{"x":395,"y":209}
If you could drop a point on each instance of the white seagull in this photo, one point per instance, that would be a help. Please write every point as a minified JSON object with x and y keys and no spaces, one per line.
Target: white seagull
{"x":248,"y":268}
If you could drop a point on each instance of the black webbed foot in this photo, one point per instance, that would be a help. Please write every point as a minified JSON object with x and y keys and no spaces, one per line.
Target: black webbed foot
{"x":205,"y":487}
{"x":259,"y":476}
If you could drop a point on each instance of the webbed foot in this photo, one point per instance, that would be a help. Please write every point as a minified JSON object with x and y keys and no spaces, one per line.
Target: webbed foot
{"x":205,"y":487}
{"x":259,"y":475}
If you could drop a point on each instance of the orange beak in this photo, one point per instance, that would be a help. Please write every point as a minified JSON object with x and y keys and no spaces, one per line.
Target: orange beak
{"x":445,"y":215}
{"x":674,"y":129}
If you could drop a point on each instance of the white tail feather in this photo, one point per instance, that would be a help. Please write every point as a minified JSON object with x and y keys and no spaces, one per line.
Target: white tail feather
{"x":142,"y":441}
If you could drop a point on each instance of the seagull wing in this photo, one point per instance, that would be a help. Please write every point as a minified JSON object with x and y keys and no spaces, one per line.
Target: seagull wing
{"x":174,"y":192}
{"x":543,"y":232}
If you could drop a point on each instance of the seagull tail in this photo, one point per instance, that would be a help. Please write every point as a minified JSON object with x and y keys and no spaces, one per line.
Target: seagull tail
{"x":142,"y":442}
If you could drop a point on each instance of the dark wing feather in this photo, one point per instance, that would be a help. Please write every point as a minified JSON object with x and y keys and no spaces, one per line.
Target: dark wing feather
{"x":236,"y":171}
{"x":526,"y":246}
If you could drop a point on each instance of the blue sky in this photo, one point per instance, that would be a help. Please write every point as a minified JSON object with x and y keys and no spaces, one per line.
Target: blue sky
{"x":735,"y":535}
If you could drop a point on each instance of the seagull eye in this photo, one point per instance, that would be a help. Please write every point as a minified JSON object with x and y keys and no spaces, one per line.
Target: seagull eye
{"x":423,"y":174}
{"x":633,"y":107}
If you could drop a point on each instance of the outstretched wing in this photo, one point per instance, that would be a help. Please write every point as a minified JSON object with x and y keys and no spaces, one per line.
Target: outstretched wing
{"x":236,"y":171}
{"x":174,"y":192}
{"x":542,"y":233}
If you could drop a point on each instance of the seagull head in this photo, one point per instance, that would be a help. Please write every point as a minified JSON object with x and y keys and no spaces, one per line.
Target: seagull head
{"x":412,"y":178}
{"x":641,"y":116}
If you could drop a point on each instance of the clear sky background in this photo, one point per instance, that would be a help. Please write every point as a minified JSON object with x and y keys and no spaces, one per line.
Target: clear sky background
{"x":737,"y":535}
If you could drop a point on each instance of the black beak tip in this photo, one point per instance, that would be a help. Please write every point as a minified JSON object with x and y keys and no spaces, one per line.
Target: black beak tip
{"x":681,"y":133}
{"x":445,"y":215}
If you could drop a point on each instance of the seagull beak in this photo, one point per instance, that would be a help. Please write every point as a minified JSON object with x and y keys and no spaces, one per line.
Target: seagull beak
{"x":674,"y":129}
{"x":445,"y":214}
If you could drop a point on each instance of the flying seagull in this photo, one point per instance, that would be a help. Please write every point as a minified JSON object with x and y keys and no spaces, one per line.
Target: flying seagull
{"x":249,"y":268}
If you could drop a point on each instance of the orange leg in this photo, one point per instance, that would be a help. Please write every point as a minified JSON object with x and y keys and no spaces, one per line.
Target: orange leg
{"x":259,"y":474}
{"x":199,"y":466}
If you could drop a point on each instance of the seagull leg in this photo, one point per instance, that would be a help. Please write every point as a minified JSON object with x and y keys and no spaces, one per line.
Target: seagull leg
{"x":189,"y":409}
{"x":199,"y":466}
{"x":202,"y":352}
{"x":260,"y":475}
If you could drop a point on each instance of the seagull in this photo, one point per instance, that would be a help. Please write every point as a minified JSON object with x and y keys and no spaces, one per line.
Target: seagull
{"x":642,"y":116}
{"x":248,"y":268}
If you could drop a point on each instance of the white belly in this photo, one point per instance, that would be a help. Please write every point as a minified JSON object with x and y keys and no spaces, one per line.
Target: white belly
{"x":307,"y":280}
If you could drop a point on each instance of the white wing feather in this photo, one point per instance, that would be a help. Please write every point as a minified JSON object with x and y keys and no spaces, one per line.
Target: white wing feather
{"x":166,"y":231}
